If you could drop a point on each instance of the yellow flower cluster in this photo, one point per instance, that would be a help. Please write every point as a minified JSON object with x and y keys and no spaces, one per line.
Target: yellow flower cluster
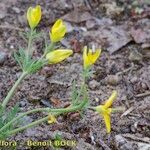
{"x":58,"y":30}
{"x":57,"y":33}
{"x":106,"y":111}
{"x":90,"y":56}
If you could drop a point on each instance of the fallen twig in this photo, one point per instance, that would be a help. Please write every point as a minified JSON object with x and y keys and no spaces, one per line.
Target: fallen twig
{"x":127,"y":112}
{"x":143,"y":94}
{"x":126,"y":70}
{"x":104,"y":145}
{"x":10,"y":27}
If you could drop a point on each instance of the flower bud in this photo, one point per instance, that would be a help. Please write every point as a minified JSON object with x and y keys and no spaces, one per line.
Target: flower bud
{"x":58,"y":55}
{"x":34,"y":16}
{"x":58,"y":31}
{"x":90,"y":56}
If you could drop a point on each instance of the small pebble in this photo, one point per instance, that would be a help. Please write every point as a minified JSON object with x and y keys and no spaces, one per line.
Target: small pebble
{"x":144,"y":86}
{"x":134,"y":79}
{"x":3,"y":57}
{"x":69,"y":27}
{"x":2,"y":15}
{"x":93,"y":84}
{"x":3,"y":11}
{"x":112,"y":79}
{"x":11,"y":46}
{"x":16,"y":9}
{"x":23,"y":103}
{"x":135,"y":56}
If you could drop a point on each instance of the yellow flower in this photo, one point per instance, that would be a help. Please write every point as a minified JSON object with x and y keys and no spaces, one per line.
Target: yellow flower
{"x":90,"y":56}
{"x":34,"y":16}
{"x":51,"y":119}
{"x":58,"y":55}
{"x":58,"y":31}
{"x":106,"y":111}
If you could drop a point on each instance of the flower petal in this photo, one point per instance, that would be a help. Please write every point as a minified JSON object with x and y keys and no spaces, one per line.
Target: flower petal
{"x":58,"y":55}
{"x":90,"y":57}
{"x":51,"y":119}
{"x":93,"y":56}
{"x":85,"y":58}
{"x":58,"y":31}
{"x":109,"y":102}
{"x":107,"y":122}
{"x":34,"y":16}
{"x":57,"y":24}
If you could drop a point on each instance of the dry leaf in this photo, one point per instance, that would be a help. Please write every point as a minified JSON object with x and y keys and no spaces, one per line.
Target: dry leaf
{"x":77,"y":16}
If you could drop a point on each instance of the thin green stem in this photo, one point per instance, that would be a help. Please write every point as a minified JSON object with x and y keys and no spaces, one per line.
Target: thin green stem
{"x":31,"y":124}
{"x":12,"y":91}
{"x":85,"y":96}
{"x":61,"y":110}
{"x":28,"y":126}
{"x":22,"y":115}
{"x":48,"y":49}
{"x":91,"y":108}
{"x":81,"y":91}
{"x":56,"y":111}
{"x":29,"y":44}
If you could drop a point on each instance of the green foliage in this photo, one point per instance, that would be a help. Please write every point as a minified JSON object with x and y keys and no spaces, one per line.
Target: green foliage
{"x":35,"y":65}
{"x":28,"y":64}
{"x":35,"y":34}
{"x":79,"y":95}
{"x":1,"y":109}
{"x":57,"y":137}
{"x":5,"y":118}
{"x":75,"y":94}
{"x":87,"y":73}
{"x":50,"y":48}
{"x":23,"y":58}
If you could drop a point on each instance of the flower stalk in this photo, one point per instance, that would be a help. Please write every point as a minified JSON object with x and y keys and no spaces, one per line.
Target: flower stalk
{"x":13,"y":89}
{"x":71,"y":108}
{"x":29,"y":54}
{"x":49,"y":110}
{"x":51,"y":55}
